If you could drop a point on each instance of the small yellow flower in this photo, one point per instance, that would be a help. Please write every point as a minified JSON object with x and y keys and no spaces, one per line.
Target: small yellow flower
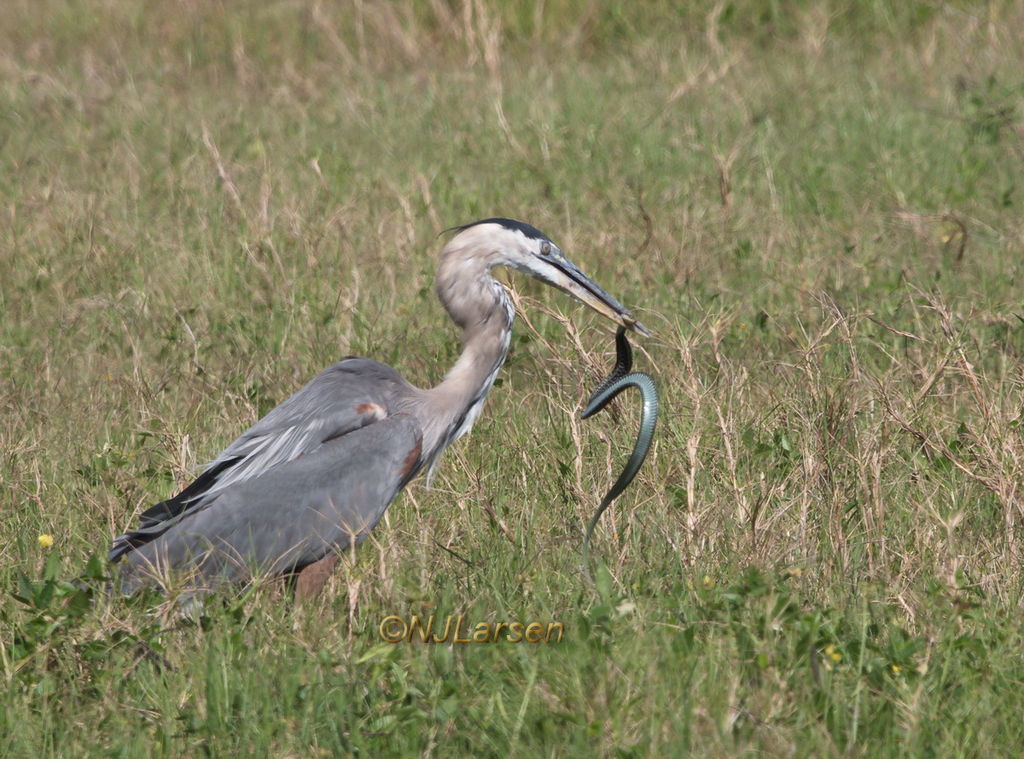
{"x":831,"y":653}
{"x":709,"y":581}
{"x":896,"y":668}
{"x":45,"y":541}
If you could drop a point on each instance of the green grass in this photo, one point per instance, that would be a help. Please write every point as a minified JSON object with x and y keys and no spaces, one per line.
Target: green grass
{"x":817,"y":209}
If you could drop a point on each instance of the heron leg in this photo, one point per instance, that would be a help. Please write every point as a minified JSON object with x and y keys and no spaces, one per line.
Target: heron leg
{"x":313,"y":577}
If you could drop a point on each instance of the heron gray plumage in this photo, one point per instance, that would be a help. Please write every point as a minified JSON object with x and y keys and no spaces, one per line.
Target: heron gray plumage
{"x":317,"y":473}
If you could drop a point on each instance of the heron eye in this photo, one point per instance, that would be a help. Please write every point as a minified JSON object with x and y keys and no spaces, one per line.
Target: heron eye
{"x":545,"y":249}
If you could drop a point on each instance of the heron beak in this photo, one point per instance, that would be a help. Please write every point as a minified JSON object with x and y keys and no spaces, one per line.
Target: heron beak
{"x":568,"y":278}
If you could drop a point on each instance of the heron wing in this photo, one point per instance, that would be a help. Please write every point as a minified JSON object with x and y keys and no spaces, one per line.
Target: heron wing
{"x":345,"y":397}
{"x":290,"y":516}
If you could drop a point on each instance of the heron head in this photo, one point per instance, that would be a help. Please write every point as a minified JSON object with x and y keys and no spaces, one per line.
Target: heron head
{"x":517,"y":245}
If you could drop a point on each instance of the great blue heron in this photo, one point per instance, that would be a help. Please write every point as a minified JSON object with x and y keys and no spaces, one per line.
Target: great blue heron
{"x":316,"y":474}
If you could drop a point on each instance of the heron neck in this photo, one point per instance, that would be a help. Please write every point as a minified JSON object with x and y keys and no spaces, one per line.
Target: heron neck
{"x":486,"y":330}
{"x":484,"y":349}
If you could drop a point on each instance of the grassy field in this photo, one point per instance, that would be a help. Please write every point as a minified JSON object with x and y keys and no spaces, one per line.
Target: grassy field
{"x":816,"y":207}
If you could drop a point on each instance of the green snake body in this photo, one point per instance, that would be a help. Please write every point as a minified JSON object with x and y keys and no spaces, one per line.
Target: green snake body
{"x":620,"y":378}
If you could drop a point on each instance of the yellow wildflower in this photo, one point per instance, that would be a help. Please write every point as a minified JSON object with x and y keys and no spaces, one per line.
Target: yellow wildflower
{"x":831,"y":653}
{"x":45,"y":541}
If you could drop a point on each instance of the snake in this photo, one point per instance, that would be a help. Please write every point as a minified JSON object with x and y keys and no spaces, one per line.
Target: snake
{"x":620,"y":378}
